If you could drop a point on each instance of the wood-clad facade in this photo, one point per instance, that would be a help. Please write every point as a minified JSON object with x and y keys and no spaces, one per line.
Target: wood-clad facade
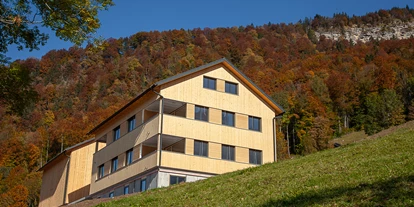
{"x":66,"y":178}
{"x":207,"y":121}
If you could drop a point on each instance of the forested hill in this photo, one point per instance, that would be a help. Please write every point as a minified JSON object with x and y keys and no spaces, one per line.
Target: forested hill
{"x":327,"y":86}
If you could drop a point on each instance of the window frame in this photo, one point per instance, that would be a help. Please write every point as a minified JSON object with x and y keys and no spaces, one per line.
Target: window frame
{"x":231,"y":84}
{"x":226,"y":113}
{"x":200,"y":117}
{"x":207,"y":84}
{"x":143,"y":188}
{"x":131,"y":121}
{"x":252,"y":124}
{"x":129,"y":156}
{"x":176,"y":178}
{"x":117,"y":133}
{"x":111,"y":195}
{"x":255,"y":159}
{"x":126,"y":188}
{"x":101,"y":171}
{"x":114,"y":164}
{"x":231,"y":153}
{"x":203,"y":151}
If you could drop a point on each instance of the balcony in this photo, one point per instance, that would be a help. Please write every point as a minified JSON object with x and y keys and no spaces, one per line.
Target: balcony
{"x":139,"y":135}
{"x":139,"y":166}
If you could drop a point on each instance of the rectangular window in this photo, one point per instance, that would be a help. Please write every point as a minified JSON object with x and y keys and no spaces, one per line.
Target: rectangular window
{"x":227,"y":152}
{"x":117,"y":133}
{"x":131,"y":123}
{"x":176,"y":179}
{"x":209,"y":83}
{"x":143,"y":185}
{"x":201,"y":113}
{"x":129,"y":156}
{"x":254,"y":123}
{"x":111,"y":194}
{"x":227,"y":118}
{"x":126,"y":190}
{"x":255,"y":157}
{"x":101,"y":171}
{"x":200,"y":148}
{"x":231,"y":88}
{"x":114,"y":165}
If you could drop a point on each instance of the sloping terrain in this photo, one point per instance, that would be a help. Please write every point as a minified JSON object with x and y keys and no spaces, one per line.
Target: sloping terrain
{"x":378,"y":172}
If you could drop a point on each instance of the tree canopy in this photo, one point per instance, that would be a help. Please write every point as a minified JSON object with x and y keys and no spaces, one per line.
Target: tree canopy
{"x":71,"y":20}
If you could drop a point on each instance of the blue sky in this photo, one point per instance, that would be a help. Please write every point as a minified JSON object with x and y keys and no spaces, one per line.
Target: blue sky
{"x":129,"y":17}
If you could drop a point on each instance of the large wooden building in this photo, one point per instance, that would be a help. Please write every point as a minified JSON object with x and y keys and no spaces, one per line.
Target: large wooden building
{"x":206,"y":121}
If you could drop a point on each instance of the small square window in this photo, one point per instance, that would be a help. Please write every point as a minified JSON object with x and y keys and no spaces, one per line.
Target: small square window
{"x":255,"y":157}
{"x":114,"y":165}
{"x":176,"y":179}
{"x":227,"y":152}
{"x":117,"y":133}
{"x":254,"y":123}
{"x":129,"y":156}
{"x":201,"y":113}
{"x":227,"y":118}
{"x":131,"y":123}
{"x":209,"y":83}
{"x":111,"y":194}
{"x":200,"y":148}
{"x":101,"y":171}
{"x":231,"y":88}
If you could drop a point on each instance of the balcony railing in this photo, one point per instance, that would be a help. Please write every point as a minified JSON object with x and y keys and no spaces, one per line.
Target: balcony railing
{"x":135,"y":168}
{"x":129,"y":140}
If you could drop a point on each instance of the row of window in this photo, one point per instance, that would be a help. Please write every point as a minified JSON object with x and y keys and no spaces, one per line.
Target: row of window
{"x":211,"y":83}
{"x":114,"y":163}
{"x":117,"y":130}
{"x":227,"y":118}
{"x":227,"y":152}
{"x":143,"y":185}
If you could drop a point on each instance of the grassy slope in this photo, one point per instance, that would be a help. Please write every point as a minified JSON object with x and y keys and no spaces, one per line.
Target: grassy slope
{"x":374,"y":173}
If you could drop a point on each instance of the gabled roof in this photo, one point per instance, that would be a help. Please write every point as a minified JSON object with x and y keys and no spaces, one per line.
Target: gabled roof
{"x":279,"y":109}
{"x":69,"y":149}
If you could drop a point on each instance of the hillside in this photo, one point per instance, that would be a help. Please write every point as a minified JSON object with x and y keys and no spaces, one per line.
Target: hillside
{"x":329,"y":87}
{"x":375,"y":172}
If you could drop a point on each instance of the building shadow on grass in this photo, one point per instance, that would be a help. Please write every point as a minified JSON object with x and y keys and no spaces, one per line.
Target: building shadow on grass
{"x":393,"y":192}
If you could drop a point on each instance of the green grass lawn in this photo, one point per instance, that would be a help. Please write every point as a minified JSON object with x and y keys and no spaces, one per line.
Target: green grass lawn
{"x":377,"y":172}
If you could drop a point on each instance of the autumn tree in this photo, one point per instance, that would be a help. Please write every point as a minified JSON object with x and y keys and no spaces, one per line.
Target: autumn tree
{"x":71,"y":20}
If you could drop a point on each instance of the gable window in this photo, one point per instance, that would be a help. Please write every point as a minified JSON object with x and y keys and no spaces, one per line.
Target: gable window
{"x":101,"y":171}
{"x":209,"y":83}
{"x":200,"y":148}
{"x":114,"y":164}
{"x":254,"y":123}
{"x":227,"y":118}
{"x":201,"y":113}
{"x":255,"y":157}
{"x":231,"y":88}
{"x":129,"y":155}
{"x":176,"y":179}
{"x":126,"y":190}
{"x":117,"y":133}
{"x":143,"y":185}
{"x":227,"y":152}
{"x":131,"y":123}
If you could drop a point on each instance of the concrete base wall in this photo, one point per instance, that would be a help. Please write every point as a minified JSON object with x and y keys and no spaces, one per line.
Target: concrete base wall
{"x":156,"y":179}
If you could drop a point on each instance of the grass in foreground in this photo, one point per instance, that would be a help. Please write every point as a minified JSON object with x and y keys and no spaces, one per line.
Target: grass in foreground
{"x":370,"y":173}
